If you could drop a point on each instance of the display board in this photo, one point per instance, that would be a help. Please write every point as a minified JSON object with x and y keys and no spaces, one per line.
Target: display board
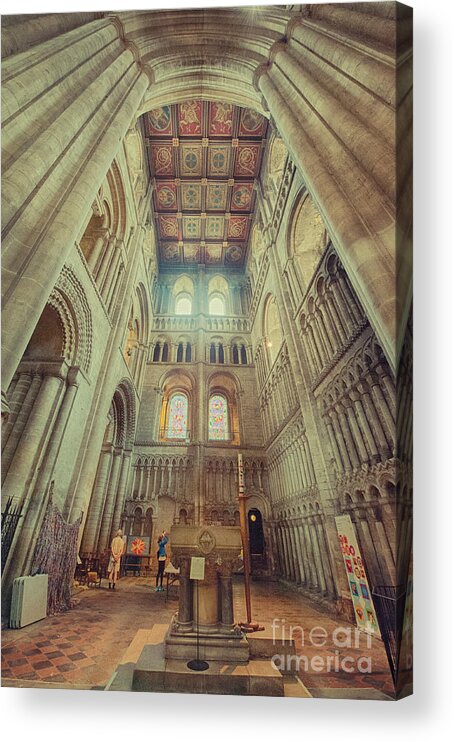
{"x":360,"y":592}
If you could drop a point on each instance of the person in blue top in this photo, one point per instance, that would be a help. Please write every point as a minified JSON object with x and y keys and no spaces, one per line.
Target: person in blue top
{"x":162,"y":541}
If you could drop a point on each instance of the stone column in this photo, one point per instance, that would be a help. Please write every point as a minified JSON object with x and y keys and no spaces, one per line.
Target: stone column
{"x":121,"y":492}
{"x":323,"y":548}
{"x":185,"y":597}
{"x":318,"y":557}
{"x":299,"y":554}
{"x":101,"y":235}
{"x":310,"y":555}
{"x":20,"y":422}
{"x":333,"y":320}
{"x":34,"y":436}
{"x":330,"y":168}
{"x":307,"y":570}
{"x":384,"y":379}
{"x":382,"y":404}
{"x":208,"y":610}
{"x":226,"y":597}
{"x":97,"y":501}
{"x":353,"y":424}
{"x":340,"y":440}
{"x":37,"y":501}
{"x":333,"y":442}
{"x":290,"y":555}
{"x":51,"y":180}
{"x":15,"y":398}
{"x":338,"y":302}
{"x":351,"y":448}
{"x":373,"y":415}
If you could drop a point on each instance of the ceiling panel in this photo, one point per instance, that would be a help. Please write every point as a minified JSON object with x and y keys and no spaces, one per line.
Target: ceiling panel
{"x":204,"y":159}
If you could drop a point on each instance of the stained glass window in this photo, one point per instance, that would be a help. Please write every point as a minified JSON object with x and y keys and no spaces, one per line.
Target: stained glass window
{"x":177,"y":419}
{"x":218,"y":422}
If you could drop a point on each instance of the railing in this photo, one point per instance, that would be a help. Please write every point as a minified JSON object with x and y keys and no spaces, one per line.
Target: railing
{"x":389,"y":602}
{"x":211,"y":323}
{"x":10,"y":520}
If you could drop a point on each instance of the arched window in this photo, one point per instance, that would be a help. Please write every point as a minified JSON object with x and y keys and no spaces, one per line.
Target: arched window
{"x":243,"y":355}
{"x":156,"y":352}
{"x":218,"y":296}
{"x":218,"y":418}
{"x":177,"y":416}
{"x":165,"y":353}
{"x":188,"y":353}
{"x":212,"y":353}
{"x":235,"y":356}
{"x":217,"y":304}
{"x":221,"y":353}
{"x":180,"y":353}
{"x":183,"y":304}
{"x":137,"y":523}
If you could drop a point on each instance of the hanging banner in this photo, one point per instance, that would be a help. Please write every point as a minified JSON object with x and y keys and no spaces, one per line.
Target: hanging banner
{"x":360,"y":593}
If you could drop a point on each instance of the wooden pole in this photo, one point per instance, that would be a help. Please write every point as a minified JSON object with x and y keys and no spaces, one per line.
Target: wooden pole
{"x":244,"y":537}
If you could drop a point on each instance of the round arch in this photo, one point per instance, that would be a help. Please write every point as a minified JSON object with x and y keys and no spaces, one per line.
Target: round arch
{"x":272,"y":328}
{"x":307,"y":237}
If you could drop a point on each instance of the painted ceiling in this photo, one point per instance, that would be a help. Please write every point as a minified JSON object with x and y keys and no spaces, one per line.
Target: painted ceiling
{"x":204,"y":159}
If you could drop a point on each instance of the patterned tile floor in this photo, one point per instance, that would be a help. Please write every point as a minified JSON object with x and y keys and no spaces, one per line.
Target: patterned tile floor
{"x":81,"y":648}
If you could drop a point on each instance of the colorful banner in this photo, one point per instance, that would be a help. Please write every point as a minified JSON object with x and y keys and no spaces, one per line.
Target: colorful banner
{"x":138,"y":546}
{"x":360,"y":593}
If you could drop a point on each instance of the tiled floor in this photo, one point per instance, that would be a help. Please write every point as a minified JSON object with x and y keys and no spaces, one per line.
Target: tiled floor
{"x":82,"y":648}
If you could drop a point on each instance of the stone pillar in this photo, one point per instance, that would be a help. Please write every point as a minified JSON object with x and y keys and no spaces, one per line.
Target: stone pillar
{"x":20,"y":422}
{"x":208,"y":610}
{"x":300,"y":533}
{"x":324,"y":553}
{"x":37,"y":501}
{"x":330,"y":167}
{"x":16,"y":399}
{"x":33,"y":438}
{"x":121,"y":493}
{"x":48,"y":190}
{"x":351,"y":448}
{"x":226,"y":597}
{"x":299,"y":554}
{"x":185,"y":597}
{"x":318,"y":558}
{"x":310,"y":555}
{"x":372,"y":414}
{"x":101,"y":235}
{"x":97,"y":501}
{"x":346,"y":466}
{"x":364,"y":456}
{"x":333,"y":442}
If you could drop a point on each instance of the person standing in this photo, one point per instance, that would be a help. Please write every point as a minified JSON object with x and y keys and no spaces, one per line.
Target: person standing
{"x":162,"y":541}
{"x":117,"y":549}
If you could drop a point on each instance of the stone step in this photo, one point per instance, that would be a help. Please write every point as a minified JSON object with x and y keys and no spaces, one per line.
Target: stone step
{"x":268,"y":643}
{"x":154,"y":672}
{"x":212,"y":648}
{"x":144,"y":667}
{"x":122,"y":678}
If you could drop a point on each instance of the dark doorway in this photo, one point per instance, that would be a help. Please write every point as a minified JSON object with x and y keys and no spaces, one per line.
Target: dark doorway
{"x":256,"y":539}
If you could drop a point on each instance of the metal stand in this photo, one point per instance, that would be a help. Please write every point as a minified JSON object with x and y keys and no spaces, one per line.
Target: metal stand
{"x":198,"y":665}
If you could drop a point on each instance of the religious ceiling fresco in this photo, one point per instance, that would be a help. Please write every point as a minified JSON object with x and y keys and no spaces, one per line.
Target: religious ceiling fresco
{"x":204,"y":160}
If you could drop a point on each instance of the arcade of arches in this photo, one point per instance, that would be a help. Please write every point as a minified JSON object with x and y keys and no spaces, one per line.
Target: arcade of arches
{"x":199,"y":260}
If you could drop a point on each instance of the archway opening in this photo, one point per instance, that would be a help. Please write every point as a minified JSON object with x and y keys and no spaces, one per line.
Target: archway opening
{"x":256,"y":536}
